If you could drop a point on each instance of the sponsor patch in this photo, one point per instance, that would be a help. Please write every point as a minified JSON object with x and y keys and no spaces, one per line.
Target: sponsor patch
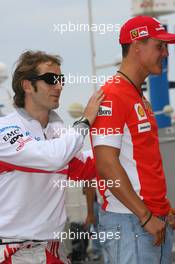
{"x":140,"y":112}
{"x":139,"y":32}
{"x":8,"y":127}
{"x":144,"y":127}
{"x":161,"y":27}
{"x":148,"y":106}
{"x":12,"y":135}
{"x":27,"y":133}
{"x":105,"y":108}
{"x":21,"y":143}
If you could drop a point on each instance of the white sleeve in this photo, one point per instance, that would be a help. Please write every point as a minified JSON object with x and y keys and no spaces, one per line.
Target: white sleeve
{"x":49,"y":155}
{"x":107,"y":140}
{"x":83,"y":155}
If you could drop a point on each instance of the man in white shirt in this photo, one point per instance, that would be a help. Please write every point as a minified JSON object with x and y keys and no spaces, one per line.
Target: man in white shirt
{"x":36,"y":151}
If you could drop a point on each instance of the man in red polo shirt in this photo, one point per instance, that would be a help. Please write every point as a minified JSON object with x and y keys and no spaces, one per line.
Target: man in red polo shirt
{"x":126,"y":148}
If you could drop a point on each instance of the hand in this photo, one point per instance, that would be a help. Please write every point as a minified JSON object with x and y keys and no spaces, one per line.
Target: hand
{"x":93,"y":105}
{"x":171,"y":218}
{"x":156,"y":227}
{"x":90,"y":220}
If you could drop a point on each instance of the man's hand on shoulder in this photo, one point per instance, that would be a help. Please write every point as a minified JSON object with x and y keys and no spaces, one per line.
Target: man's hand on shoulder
{"x":93,"y":105}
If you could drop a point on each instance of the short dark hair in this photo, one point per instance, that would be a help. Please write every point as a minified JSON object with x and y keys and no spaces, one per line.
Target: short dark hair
{"x":125,"y":49}
{"x":26,"y":68}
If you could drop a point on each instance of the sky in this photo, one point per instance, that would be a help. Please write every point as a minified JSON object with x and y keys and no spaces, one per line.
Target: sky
{"x":34,"y":25}
{"x":37,"y":24}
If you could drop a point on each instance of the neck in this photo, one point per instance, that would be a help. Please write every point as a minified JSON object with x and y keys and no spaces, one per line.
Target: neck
{"x":134,"y":73}
{"x":38,"y":114}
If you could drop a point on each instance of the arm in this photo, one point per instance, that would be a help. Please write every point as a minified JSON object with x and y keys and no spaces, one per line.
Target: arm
{"x":109,"y":167}
{"x":82,"y":167}
{"x":48,"y":155}
{"x":90,"y":198}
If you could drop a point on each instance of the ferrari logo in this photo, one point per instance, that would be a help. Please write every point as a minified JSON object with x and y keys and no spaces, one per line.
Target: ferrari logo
{"x":141,"y":111}
{"x":134,"y":33}
{"x":139,"y":32}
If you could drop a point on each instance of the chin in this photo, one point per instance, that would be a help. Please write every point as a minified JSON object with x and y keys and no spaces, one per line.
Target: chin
{"x":157,"y":71}
{"x":53,"y":106}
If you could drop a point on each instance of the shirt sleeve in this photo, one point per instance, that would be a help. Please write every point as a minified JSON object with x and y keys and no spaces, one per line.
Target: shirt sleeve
{"x":82,"y":166}
{"x":49,"y":155}
{"x":109,"y":125}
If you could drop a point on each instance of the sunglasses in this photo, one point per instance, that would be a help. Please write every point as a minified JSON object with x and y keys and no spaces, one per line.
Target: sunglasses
{"x":50,"y":78}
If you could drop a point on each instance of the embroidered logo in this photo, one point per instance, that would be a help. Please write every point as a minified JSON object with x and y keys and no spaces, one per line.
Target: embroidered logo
{"x":160,"y":26}
{"x":134,"y":34}
{"x":139,"y":32}
{"x":105,"y":109}
{"x":144,"y":127}
{"x":140,"y":112}
{"x":148,"y":106}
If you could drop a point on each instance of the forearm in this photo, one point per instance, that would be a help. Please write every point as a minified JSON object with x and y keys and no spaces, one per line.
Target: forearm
{"x":125,"y":193}
{"x":90,"y":198}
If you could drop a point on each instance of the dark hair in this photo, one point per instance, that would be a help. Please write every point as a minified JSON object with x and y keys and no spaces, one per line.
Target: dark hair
{"x":125,"y":49}
{"x":26,"y":68}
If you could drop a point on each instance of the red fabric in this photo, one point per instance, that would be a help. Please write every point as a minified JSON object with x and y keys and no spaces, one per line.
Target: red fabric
{"x":139,"y":141}
{"x":4,"y":166}
{"x":7,"y":253}
{"x":50,"y":259}
{"x":52,"y":256}
{"x":77,"y":170}
{"x":82,"y":171}
{"x":142,"y":27}
{"x":8,"y":261}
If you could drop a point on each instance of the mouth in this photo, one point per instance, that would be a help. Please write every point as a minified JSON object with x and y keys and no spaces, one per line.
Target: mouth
{"x":55,"y":96}
{"x":161,"y":61}
{"x":160,"y":64}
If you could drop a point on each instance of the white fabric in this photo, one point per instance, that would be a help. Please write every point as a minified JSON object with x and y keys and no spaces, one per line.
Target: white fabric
{"x":124,"y":142}
{"x":30,"y":206}
{"x":107,"y":140}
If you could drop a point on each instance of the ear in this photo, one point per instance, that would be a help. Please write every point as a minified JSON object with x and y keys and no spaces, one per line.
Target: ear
{"x":27,"y":86}
{"x":136,"y":46}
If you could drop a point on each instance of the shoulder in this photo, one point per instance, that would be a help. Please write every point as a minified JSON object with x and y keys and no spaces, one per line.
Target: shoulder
{"x":118,"y":92}
{"x":8,"y":119}
{"x":9,"y":123}
{"x":117,"y":87}
{"x":54,"y":117}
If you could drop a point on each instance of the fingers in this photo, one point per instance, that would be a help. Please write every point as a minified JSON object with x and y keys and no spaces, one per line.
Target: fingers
{"x":159,"y":238}
{"x":173,"y":210}
{"x":171,"y":218}
{"x":93,"y":105}
{"x":163,"y":236}
{"x":86,"y":225}
{"x":97,"y":96}
{"x":156,"y":227}
{"x":98,"y":93}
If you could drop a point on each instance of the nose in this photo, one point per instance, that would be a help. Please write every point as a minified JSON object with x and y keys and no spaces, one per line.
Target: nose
{"x":58,"y":86}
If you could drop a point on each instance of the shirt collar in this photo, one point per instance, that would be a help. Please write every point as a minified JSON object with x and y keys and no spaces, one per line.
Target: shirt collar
{"x":53,"y":116}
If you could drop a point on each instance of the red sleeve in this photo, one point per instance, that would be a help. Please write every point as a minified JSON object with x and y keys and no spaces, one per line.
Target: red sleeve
{"x":111,"y":116}
{"x":79,"y":170}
